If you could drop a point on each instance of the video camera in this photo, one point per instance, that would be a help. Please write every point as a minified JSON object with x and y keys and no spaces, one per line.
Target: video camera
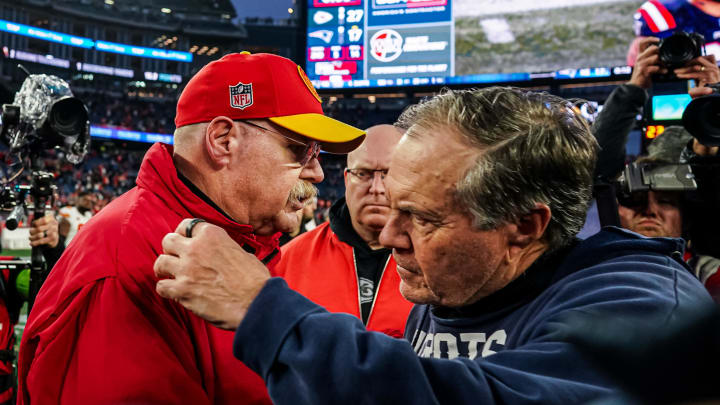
{"x":43,"y":116}
{"x":697,"y":182}
{"x":640,"y":177}
{"x":649,"y":176}
{"x":701,"y":117}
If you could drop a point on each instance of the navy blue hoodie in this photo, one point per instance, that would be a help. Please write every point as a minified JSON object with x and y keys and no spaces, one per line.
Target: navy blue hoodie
{"x":505,"y":348}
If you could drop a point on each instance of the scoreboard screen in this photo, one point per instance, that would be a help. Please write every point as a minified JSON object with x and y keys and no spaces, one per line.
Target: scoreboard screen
{"x":361,"y":42}
{"x":371,"y":43}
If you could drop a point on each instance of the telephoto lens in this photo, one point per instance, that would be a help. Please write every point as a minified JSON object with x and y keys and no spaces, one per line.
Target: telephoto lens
{"x":68,"y":116}
{"x":701,"y":118}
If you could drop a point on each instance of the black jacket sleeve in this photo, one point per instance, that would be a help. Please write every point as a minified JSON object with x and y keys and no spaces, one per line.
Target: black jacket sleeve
{"x":612,"y":127}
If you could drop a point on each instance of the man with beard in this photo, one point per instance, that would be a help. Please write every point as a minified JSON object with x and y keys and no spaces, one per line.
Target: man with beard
{"x":341,"y":265}
{"x":249,"y":131}
{"x":72,"y":218}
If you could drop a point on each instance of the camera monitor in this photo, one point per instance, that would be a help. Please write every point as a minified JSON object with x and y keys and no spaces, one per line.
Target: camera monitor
{"x":669,"y":107}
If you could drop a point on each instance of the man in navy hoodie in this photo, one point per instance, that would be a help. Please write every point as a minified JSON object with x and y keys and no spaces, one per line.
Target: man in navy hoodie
{"x":488,"y":189}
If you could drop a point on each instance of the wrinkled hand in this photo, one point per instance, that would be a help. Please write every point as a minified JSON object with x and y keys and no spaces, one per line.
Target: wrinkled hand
{"x":647,"y":63}
{"x":703,"y":69}
{"x":44,"y":231}
{"x":209,"y":274}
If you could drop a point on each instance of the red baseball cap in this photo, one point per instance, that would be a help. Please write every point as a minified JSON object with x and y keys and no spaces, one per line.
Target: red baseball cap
{"x":246,"y":86}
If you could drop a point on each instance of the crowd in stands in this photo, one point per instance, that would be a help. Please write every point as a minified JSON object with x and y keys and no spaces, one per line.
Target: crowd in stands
{"x":362,"y":113}
{"x":129,"y":113}
{"x":107,"y":172}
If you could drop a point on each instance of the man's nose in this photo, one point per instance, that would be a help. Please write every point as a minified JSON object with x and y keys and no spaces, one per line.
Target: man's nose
{"x":377,"y":184}
{"x":651,"y":208}
{"x":312,"y":171}
{"x":392,"y":235}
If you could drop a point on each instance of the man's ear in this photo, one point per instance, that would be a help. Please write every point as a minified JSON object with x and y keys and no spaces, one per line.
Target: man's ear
{"x":530,"y":227}
{"x":218,"y":137}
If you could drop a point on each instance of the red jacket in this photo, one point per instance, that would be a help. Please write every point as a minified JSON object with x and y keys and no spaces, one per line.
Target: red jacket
{"x":100,"y":334}
{"x":322,"y":268}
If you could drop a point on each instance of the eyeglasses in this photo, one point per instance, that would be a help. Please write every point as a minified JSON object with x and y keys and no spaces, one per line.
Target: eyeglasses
{"x":367,"y":174}
{"x":303,"y":152}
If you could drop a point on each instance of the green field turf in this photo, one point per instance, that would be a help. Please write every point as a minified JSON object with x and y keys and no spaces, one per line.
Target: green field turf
{"x":24,"y":253}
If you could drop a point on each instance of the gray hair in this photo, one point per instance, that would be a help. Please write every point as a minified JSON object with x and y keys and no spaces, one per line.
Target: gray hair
{"x":536,"y":149}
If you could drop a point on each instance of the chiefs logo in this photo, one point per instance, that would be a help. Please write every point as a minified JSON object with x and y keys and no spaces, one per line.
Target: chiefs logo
{"x":386,"y":45}
{"x":308,"y":83}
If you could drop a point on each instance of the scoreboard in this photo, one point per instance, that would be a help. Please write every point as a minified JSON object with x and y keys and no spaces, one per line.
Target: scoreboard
{"x":397,"y":43}
{"x":365,"y":43}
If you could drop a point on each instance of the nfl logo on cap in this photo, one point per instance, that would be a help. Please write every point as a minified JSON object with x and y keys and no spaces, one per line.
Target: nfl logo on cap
{"x":241,"y":96}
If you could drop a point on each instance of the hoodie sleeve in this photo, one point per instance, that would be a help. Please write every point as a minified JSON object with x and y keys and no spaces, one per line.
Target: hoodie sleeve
{"x":612,"y":128}
{"x":308,"y":356}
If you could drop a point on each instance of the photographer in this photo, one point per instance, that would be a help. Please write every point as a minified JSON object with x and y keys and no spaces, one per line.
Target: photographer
{"x":656,"y":213}
{"x":665,"y":214}
{"x":686,"y":214}
{"x":626,"y":102}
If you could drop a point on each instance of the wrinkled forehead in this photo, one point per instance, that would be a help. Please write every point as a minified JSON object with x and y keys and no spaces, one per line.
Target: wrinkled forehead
{"x":431,"y":161}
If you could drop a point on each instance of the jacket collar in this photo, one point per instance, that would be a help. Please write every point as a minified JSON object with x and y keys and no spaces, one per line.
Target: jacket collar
{"x":341,"y":224}
{"x":159,"y":176}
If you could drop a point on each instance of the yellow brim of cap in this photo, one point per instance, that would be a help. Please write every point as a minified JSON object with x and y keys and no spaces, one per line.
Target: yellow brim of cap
{"x":334,"y":136}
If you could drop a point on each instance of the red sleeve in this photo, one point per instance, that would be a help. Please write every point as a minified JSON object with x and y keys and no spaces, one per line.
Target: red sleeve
{"x":106,"y":347}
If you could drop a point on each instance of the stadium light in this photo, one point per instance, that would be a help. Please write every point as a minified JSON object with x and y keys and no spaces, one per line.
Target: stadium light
{"x":109,"y":2}
{"x":166,"y":10}
{"x":290,"y":10}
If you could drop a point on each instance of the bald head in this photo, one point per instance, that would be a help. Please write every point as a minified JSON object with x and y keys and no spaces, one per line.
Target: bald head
{"x":364,"y":185}
{"x":377,"y":146}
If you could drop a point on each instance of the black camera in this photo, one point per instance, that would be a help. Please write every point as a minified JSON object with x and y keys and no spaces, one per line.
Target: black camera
{"x":680,"y":48}
{"x":701,"y":117}
{"x":44,"y":115}
{"x":649,"y":176}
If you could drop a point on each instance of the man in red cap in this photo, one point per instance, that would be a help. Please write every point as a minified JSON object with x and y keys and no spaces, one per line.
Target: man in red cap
{"x":249,"y":130}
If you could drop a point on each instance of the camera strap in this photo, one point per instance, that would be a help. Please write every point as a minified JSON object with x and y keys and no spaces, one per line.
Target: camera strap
{"x":607,"y":205}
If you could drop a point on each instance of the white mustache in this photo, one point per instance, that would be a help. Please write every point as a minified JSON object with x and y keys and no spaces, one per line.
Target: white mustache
{"x":302,"y":191}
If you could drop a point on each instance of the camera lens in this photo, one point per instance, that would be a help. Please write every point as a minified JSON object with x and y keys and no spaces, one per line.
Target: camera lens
{"x":68,"y":117}
{"x":677,"y":50}
{"x":702,"y":119}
